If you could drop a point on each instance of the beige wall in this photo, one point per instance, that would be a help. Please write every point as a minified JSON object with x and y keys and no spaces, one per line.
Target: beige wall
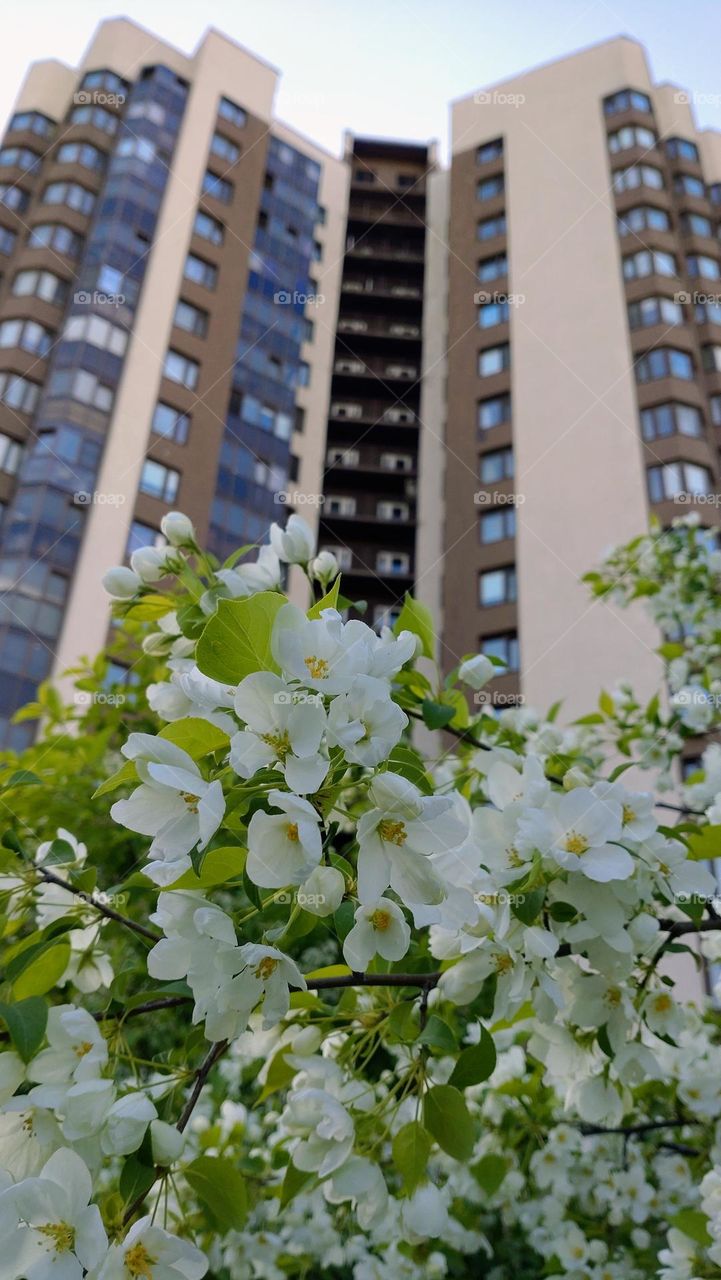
{"x":575,"y":425}
{"x":47,"y":87}
{"x":218,"y":67}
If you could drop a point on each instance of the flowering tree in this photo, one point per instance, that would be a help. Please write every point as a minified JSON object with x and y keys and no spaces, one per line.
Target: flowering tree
{"x":337,"y":1006}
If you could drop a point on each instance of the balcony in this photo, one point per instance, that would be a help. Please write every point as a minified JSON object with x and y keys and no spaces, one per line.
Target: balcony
{"x":382,"y":288}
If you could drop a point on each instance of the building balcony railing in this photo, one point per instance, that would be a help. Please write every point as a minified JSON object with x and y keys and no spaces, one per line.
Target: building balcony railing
{"x":373,"y":328}
{"x":382,"y":288}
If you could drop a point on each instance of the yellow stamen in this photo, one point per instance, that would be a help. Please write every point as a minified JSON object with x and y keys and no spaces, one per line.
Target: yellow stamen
{"x":393,"y":832}
{"x":502,"y":963}
{"x":628,"y":814}
{"x":84,"y":1047}
{"x":291,"y":832}
{"x":60,"y":1235}
{"x":317,"y":667}
{"x":381,"y":920}
{"x":575,"y":843}
{"x":613,"y":997}
{"x":267,"y":966}
{"x":191,"y":801}
{"x":662,"y":1003}
{"x":138,"y":1261}
{"x":278,"y":742}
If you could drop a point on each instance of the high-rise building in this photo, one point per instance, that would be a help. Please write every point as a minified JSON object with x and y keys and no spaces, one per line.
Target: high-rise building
{"x":475,"y":378}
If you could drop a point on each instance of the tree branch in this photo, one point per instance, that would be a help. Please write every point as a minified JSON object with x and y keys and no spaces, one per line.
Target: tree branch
{"x":110,"y":913}
{"x":462,"y":734}
{"x":425,"y":980}
{"x":634,"y":1130}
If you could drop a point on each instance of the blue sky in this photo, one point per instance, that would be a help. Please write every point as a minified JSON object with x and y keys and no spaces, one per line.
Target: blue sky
{"x":388,"y":67}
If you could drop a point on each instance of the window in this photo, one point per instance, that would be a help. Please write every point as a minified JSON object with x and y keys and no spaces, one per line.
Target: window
{"x":14,"y":197}
{"x":340,"y":505}
{"x":498,"y":524}
{"x":11,"y":452}
{"x":171,"y":424}
{"x":711,"y":356}
{"x":98,"y":117}
{"x":143,"y":535}
{"x":231,"y":112}
{"x":18,"y":393}
{"x":191,"y":318}
{"x":392,"y":510}
{"x":97,"y":332}
{"x":637,"y":175}
{"x":308,"y":329}
{"x":396,"y":461}
{"x":649,"y":262}
{"x":104,"y":79}
{"x":224,"y":148}
{"x":53,"y":235}
{"x":19,"y":158}
{"x":686,"y":185}
{"x":8,"y":240}
{"x":497,"y":586}
{"x":208,"y":228}
{"x":631,"y":135}
{"x":200,"y":271}
{"x":80,"y":153}
{"x":151,"y":111}
{"x":179,"y":368}
{"x":626,"y":100}
{"x":136,"y":149}
{"x":696,"y":224}
{"x":26,"y":334}
{"x":490,"y":187}
{"x":336,"y":457}
{"x":32,"y":122}
{"x":682,"y":149}
{"x":644,"y":217}
{"x":489,"y":151}
{"x":503,"y":646}
{"x":674,"y":478}
{"x":491,"y":314}
{"x":494,"y":360}
{"x":70,"y":194}
{"x":698,"y":264}
{"x":364,"y":175}
{"x":654,"y":311}
{"x":217,"y":188}
{"x":495,"y":466}
{"x":79,"y":384}
{"x":664,"y":362}
{"x":488,"y":228}
{"x":159,"y":481}
{"x":40,"y":284}
{"x":715,"y":402}
{"x":708,"y":313}
{"x":671,"y":419}
{"x":492,"y":412}
{"x":258,"y":414}
{"x":393,"y":562}
{"x":493,"y":268}
{"x":302,"y":374}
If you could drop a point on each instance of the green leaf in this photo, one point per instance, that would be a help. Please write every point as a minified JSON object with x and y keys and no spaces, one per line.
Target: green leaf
{"x":409,"y":764}
{"x":59,"y":854}
{"x":329,"y":601}
{"x":417,"y":617}
{"x":21,"y":778}
{"x":438,"y":1035}
{"x":219,"y":866}
{"x":127,"y":773}
{"x":476,"y":1063}
{"x":447,"y":1118}
{"x":136,"y":1178}
{"x":606,"y":704}
{"x":489,"y":1172}
{"x":527,"y":906}
{"x":43,"y":972}
{"x":26,"y":1023}
{"x":435,"y":715}
{"x":221,"y":1188}
{"x":411,"y":1149}
{"x":693,"y":1224}
{"x":293,"y":1182}
{"x":236,"y":640}
{"x":705,"y":842}
{"x":562,"y":912}
{"x":280,"y":1073}
{"x":197,"y":737}
{"x":150,"y":608}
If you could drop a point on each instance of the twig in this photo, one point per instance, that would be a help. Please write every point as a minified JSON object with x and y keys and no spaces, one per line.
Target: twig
{"x":462,"y":734}
{"x":109,"y":912}
{"x":633,"y":1130}
{"x":425,"y":980}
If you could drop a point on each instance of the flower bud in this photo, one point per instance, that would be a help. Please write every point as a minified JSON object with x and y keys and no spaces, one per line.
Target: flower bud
{"x":477,"y":671}
{"x":149,"y":563}
{"x":121,"y":583}
{"x":324,"y":568}
{"x":295,"y":544}
{"x":178,"y":529}
{"x":166,"y":1142}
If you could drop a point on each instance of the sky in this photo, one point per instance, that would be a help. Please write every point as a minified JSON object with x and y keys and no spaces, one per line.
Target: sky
{"x":387,"y":67}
